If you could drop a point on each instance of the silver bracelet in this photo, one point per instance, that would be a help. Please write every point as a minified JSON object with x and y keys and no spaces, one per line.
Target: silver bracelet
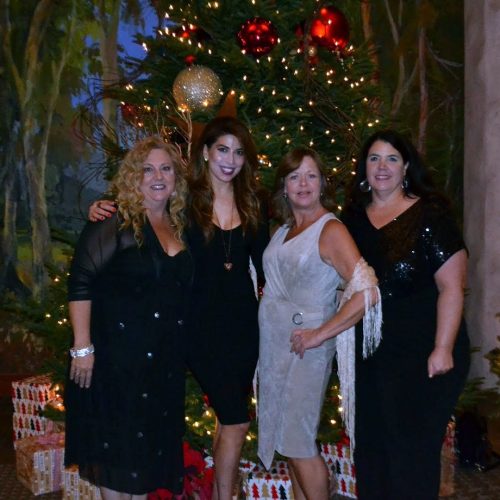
{"x":80,"y":353}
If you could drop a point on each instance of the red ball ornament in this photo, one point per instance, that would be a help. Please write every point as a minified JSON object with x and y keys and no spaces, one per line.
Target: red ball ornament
{"x":190,"y":60}
{"x":129,"y":112}
{"x":257,"y":36}
{"x":191,"y":32}
{"x":330,"y":29}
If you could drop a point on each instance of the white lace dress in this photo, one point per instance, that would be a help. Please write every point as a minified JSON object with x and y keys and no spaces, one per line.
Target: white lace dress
{"x":300,"y":288}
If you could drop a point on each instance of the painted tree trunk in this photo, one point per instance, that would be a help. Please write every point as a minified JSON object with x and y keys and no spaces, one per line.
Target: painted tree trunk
{"x":9,"y":279}
{"x":109,"y":20}
{"x":40,"y":236}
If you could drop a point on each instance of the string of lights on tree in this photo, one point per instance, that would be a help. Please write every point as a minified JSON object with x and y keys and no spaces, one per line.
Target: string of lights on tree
{"x":296,"y":75}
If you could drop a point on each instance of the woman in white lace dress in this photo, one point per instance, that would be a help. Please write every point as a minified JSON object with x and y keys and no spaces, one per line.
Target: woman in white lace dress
{"x":309,"y":257}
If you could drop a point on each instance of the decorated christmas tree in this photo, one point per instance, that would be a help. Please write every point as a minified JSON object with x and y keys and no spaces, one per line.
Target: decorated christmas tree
{"x":295,"y":72}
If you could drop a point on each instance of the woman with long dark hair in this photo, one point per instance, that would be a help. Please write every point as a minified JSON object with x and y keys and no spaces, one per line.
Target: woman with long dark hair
{"x":406,"y":392}
{"x":227,"y":229}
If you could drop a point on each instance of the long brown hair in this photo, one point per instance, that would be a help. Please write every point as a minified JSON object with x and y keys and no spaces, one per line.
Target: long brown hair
{"x":245,"y":184}
{"x":125,"y":187}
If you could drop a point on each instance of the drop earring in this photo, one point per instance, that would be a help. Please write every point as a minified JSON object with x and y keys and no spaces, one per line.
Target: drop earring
{"x":364,"y":186}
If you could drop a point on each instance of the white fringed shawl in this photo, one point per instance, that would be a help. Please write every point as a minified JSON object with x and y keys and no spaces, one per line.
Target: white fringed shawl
{"x":363,"y":279}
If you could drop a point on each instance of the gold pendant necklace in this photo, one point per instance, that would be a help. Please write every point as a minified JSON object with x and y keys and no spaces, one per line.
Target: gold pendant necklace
{"x":228,"y":265}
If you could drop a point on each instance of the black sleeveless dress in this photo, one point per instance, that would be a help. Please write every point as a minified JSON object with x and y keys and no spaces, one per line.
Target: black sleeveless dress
{"x":125,"y":431}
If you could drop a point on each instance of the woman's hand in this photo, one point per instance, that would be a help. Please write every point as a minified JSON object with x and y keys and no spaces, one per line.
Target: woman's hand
{"x":81,"y":370}
{"x":450,"y":282}
{"x":440,"y":361}
{"x":99,"y":210}
{"x":305,"y":339}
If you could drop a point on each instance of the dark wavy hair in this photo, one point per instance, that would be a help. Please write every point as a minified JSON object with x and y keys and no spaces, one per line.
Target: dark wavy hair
{"x":419,"y":180}
{"x":282,"y":211}
{"x":245,"y":185}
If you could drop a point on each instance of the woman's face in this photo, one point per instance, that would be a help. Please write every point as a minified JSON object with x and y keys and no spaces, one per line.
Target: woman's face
{"x":226,"y":158}
{"x":303,"y":185}
{"x":385,"y":169}
{"x":158,"y":179}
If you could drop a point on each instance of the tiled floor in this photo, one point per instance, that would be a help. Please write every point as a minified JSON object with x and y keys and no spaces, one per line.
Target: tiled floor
{"x":470,"y":484}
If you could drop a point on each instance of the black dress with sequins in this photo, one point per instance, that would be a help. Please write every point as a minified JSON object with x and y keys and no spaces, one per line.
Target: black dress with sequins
{"x":125,"y":431}
{"x":401,"y":414}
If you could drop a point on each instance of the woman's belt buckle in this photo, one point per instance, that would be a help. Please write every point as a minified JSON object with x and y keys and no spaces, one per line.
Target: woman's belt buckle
{"x":297,"y":318}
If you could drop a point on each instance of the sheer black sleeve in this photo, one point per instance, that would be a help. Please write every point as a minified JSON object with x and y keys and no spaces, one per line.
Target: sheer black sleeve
{"x":97,"y":244}
{"x":441,"y":235}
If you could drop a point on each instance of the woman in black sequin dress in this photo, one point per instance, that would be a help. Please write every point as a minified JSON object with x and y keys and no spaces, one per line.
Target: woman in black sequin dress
{"x":406,"y":392}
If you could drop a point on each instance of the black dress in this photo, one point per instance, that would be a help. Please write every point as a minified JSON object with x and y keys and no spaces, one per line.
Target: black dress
{"x":224,"y":335}
{"x":401,"y":414}
{"x":125,"y":431}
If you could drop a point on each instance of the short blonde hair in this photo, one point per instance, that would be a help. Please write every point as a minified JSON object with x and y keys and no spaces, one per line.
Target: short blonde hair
{"x":125,"y":187}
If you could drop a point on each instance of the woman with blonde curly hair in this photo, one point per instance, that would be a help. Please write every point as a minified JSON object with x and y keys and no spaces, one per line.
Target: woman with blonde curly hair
{"x":225,"y":230}
{"x":127,"y":296}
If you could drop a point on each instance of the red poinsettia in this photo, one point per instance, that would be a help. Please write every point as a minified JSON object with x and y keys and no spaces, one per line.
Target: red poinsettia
{"x":198,"y":479}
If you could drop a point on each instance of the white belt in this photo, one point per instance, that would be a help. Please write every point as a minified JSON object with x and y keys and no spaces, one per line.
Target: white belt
{"x":299,"y":317}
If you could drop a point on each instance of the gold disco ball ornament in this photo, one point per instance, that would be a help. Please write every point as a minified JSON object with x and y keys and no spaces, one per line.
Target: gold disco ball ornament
{"x":196,"y":88}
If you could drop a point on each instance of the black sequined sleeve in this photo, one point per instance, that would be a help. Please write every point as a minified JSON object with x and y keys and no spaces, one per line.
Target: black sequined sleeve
{"x":96,"y":246}
{"x":441,"y":235}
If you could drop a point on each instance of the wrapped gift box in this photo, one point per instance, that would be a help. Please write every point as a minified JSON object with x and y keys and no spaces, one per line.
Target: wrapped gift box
{"x":37,"y":389}
{"x":448,"y":462}
{"x":341,"y":467}
{"x":39,"y":462}
{"x":276,"y":483}
{"x":76,"y":488}
{"x":27,"y":407}
{"x":28,"y":425}
{"x":29,"y":398}
{"x":271,"y":484}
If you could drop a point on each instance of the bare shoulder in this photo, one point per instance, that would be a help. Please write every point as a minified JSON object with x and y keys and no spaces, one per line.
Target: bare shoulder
{"x":337,"y":248}
{"x":334,"y":229}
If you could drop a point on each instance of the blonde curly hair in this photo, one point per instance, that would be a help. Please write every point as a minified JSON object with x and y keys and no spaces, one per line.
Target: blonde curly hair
{"x":125,"y":187}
